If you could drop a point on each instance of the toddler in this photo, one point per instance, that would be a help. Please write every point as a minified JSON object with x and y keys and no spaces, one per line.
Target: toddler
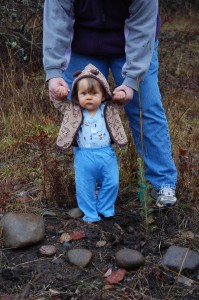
{"x":92,"y":123}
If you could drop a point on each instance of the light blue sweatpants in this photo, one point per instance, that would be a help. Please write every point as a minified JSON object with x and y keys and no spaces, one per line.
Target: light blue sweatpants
{"x":96,"y":166}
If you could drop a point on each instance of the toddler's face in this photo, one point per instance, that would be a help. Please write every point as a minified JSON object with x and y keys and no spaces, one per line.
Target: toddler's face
{"x":89,"y":98}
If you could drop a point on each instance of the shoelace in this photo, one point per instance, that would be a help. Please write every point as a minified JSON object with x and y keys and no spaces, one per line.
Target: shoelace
{"x":166,"y":192}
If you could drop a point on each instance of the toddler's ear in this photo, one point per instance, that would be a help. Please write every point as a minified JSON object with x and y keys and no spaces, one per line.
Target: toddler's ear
{"x":94,"y":71}
{"x":77,"y":73}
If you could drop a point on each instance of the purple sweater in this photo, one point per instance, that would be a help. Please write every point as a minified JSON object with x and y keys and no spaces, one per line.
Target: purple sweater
{"x":99,"y":28}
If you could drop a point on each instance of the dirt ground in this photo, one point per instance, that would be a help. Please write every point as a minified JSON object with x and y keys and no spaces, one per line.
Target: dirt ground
{"x":33,"y":276}
{"x":26,"y":274}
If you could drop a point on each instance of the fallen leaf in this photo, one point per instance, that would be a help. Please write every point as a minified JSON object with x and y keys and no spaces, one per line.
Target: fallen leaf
{"x":115,"y":276}
{"x":108,"y":272}
{"x":7,"y":297}
{"x":108,"y":287}
{"x":77,"y":235}
{"x":65,"y":237}
{"x":23,"y":199}
{"x":54,"y":292}
{"x":118,"y":227}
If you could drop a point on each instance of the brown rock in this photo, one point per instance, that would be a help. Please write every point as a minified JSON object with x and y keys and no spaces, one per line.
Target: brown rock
{"x":129,"y":259}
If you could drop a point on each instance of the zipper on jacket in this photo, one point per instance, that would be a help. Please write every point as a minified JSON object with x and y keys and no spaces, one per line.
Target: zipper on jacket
{"x":103,"y":13}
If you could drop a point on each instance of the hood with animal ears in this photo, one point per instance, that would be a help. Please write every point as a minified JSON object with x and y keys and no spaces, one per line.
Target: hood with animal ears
{"x":91,"y":71}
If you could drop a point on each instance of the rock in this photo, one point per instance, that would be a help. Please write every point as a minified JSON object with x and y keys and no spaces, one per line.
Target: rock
{"x":100,"y":244}
{"x":48,"y":250}
{"x":79,"y":257}
{"x":21,"y":229}
{"x":189,"y":235}
{"x":49,"y":214}
{"x":58,"y":261}
{"x":129,"y":259}
{"x":75,"y":213}
{"x":184,"y":280}
{"x":66,"y":244}
{"x":180,"y":258}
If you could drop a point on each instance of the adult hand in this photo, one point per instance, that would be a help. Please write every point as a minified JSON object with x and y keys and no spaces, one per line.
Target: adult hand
{"x":58,"y":88}
{"x":128,"y":94}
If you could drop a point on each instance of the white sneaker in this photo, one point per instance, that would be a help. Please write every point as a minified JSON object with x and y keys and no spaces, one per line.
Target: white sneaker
{"x":164,"y":197}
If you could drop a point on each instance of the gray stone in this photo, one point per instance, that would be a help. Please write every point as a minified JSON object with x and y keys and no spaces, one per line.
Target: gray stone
{"x":48,"y":250}
{"x":67,"y":244}
{"x":79,"y":257}
{"x":184,"y":280}
{"x":21,"y":229}
{"x":49,"y":214}
{"x":75,"y":213}
{"x":180,"y":258}
{"x":129,"y":259}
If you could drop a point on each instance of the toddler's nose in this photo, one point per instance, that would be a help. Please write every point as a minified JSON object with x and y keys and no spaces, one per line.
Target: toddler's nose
{"x":89,"y":96}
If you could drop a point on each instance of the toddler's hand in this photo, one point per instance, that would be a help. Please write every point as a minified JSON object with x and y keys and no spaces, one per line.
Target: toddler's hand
{"x":62,"y":92}
{"x":127,"y":94}
{"x":58,"y":89}
{"x":120,"y":96}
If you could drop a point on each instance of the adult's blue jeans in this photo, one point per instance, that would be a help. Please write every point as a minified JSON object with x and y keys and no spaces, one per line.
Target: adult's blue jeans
{"x":160,"y":169}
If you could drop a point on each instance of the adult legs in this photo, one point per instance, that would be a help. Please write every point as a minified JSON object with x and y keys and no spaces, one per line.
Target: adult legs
{"x":160,"y":168}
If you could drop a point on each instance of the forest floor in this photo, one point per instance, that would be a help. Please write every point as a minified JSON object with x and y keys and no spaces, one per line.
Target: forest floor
{"x":26,"y":274}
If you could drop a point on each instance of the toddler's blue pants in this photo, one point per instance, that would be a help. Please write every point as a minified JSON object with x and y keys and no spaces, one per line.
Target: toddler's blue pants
{"x":96,"y":166}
